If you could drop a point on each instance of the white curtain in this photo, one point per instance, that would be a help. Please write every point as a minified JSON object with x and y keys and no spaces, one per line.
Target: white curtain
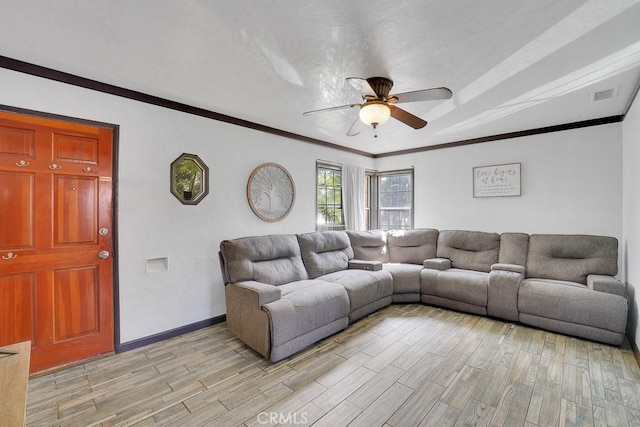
{"x":353,"y":197}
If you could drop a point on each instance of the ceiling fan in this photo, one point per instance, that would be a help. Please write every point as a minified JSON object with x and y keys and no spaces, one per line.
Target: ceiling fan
{"x":379,"y":105}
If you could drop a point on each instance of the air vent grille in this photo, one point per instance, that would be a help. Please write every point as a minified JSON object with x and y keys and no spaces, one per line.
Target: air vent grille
{"x":601,"y":95}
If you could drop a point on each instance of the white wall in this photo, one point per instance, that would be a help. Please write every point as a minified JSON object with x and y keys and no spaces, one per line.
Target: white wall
{"x":631,"y":214}
{"x":152,"y":223}
{"x":571,"y":183}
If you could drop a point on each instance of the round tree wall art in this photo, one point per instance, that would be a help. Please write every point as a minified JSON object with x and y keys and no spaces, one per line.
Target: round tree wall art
{"x":271,"y":192}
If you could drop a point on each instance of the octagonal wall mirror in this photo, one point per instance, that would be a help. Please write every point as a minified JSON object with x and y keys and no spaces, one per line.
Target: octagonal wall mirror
{"x":189,"y":179}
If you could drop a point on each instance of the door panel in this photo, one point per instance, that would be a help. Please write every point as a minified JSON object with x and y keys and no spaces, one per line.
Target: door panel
{"x":76,"y":149}
{"x":76,"y":210}
{"x":18,"y":142}
{"x":75,"y":287}
{"x":17,"y":190}
{"x":18,"y":292}
{"x":55,"y":194}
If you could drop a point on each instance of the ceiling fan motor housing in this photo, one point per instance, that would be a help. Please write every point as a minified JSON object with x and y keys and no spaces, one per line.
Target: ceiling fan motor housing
{"x":381,"y":86}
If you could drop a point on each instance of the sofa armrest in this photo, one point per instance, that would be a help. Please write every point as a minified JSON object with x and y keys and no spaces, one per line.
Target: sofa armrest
{"x":502,"y":291}
{"x":514,"y":268}
{"x":437,"y":263}
{"x":608,"y":284}
{"x":257,"y":293}
{"x":245,"y":316}
{"x":358,"y":264}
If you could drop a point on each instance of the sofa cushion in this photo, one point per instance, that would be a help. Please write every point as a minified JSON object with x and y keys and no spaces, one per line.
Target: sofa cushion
{"x":298,"y":285}
{"x":514,"y":248}
{"x":469,"y":250}
{"x":412,"y":246}
{"x":324,"y":252}
{"x":315,"y":304}
{"x":467,"y":286}
{"x":370,"y":245}
{"x":571,"y":257}
{"x":272,"y":259}
{"x":573,"y":303}
{"x":363,"y":287}
{"x":406,"y":278}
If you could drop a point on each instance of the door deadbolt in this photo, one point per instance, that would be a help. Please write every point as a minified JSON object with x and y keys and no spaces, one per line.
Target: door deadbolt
{"x":103,"y":231}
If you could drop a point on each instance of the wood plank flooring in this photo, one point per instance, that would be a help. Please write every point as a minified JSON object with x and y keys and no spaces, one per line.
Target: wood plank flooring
{"x":406,"y":365}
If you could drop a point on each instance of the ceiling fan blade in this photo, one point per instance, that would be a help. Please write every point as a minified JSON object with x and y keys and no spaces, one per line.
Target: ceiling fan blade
{"x":362,"y":86}
{"x":407,"y":118}
{"x":355,"y":128}
{"x":322,"y":110}
{"x":433,"y":94}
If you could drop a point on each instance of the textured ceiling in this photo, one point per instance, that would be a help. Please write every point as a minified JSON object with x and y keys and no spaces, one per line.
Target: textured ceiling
{"x":512,"y":65}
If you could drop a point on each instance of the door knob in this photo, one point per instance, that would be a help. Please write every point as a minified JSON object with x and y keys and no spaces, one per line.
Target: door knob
{"x":103,"y":254}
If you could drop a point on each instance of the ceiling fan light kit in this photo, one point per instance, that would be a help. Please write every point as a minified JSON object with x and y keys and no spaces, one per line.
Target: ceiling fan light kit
{"x":374,"y":113}
{"x":378,"y":105}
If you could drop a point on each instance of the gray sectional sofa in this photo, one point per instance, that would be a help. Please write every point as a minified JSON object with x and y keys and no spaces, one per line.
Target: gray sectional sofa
{"x":285,"y":292}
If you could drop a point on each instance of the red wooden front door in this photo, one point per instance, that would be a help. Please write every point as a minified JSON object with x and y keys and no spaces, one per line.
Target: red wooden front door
{"x":56,"y":269}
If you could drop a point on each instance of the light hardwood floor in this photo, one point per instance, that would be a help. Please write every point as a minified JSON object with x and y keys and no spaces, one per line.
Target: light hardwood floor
{"x":406,"y":365}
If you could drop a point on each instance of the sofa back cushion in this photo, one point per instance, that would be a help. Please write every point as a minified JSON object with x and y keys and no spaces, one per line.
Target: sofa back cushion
{"x":412,"y":246}
{"x":571,"y":257}
{"x":469,"y":250}
{"x":514,"y":248}
{"x":272,"y":259}
{"x":324,"y":252}
{"x":369,"y":245}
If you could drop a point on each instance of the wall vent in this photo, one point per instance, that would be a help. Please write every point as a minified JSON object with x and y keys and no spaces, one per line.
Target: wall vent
{"x":601,"y":95}
{"x":155,"y":265}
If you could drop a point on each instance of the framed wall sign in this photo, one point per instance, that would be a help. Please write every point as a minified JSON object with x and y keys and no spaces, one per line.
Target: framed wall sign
{"x":497,"y":180}
{"x":271,"y":192}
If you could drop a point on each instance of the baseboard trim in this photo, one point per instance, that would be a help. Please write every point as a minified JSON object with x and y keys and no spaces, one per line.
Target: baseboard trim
{"x":141,"y":342}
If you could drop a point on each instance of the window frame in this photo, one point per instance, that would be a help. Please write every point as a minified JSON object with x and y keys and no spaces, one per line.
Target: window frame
{"x":373,"y":188}
{"x":334,"y":167}
{"x":371,"y":200}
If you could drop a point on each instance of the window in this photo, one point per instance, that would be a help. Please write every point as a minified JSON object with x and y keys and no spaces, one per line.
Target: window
{"x":389,"y":197}
{"x":329,"y":197}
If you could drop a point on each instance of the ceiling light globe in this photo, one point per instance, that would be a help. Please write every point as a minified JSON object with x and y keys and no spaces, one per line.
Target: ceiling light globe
{"x":375,"y":113}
